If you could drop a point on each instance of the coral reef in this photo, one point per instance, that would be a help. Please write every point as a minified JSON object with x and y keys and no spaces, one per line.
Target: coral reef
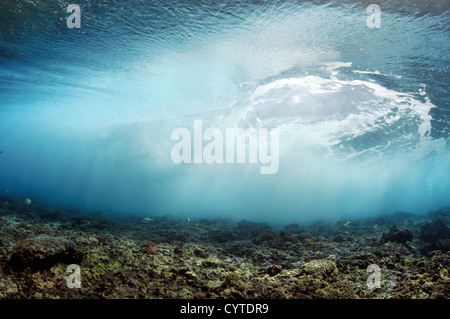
{"x":434,"y":231}
{"x":399,"y":235}
{"x":43,"y":251}
{"x":127,"y":257}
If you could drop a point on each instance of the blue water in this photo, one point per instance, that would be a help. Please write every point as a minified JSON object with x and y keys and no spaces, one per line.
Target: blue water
{"x":86,"y":114}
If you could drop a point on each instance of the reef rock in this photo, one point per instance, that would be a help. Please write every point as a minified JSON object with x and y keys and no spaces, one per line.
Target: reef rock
{"x":319,"y":267}
{"x":43,"y":251}
{"x":434,"y":231}
{"x":398,"y":235}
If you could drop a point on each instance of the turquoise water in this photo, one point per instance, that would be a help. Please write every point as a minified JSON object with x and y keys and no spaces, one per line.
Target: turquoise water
{"x":86,"y":114}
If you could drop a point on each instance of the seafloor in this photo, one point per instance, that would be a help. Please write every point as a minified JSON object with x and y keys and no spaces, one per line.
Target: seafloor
{"x":160,"y":257}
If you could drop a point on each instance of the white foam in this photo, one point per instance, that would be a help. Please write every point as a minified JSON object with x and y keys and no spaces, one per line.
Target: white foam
{"x":326,"y":111}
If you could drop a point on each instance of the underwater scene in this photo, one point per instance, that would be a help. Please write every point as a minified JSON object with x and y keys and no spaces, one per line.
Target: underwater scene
{"x":232,"y":149}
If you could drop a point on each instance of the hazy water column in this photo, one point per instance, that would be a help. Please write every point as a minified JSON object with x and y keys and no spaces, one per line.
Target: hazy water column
{"x":86,"y":114}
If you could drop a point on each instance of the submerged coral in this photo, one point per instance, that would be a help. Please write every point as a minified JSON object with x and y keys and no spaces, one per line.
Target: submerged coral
{"x":399,"y":235}
{"x":434,"y":231}
{"x":43,"y":251}
{"x":167,"y":258}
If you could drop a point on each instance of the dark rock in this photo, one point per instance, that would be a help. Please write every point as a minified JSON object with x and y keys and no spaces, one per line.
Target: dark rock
{"x":339,"y":238}
{"x":286,"y":236}
{"x":268,"y":235}
{"x":446,"y":245}
{"x":50,"y":214}
{"x":251,"y":230}
{"x":201,"y":253}
{"x":222,"y":236}
{"x":304,"y":235}
{"x":399,"y":235}
{"x":274,"y":270}
{"x":442,"y":214}
{"x":434,"y":231}
{"x":42,"y":252}
{"x":293,"y":228}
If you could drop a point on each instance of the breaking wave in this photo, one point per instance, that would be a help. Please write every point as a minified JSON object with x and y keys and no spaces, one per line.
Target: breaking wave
{"x":87,"y":114}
